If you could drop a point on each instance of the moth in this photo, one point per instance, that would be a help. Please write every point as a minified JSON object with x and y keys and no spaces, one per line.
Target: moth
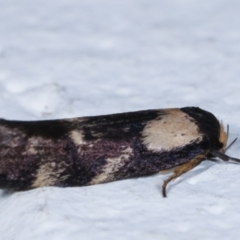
{"x":92,"y":150}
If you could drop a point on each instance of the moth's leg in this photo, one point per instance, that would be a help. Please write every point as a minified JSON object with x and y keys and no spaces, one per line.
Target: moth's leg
{"x":181,"y":170}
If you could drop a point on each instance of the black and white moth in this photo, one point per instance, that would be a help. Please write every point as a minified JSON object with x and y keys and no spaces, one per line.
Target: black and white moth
{"x":92,"y":150}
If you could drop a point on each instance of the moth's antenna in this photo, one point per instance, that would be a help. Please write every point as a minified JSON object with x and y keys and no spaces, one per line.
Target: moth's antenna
{"x":230,"y":145}
{"x":223,"y":156}
{"x":227,"y":138}
{"x":227,"y":131}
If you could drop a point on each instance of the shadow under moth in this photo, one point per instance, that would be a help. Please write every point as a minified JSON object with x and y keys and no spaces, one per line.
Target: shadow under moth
{"x":92,"y":150}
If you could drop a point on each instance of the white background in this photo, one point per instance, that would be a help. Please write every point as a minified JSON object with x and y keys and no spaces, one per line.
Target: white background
{"x":69,"y":58}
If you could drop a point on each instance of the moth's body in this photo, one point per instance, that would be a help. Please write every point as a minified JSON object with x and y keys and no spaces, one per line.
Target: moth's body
{"x":92,"y":150}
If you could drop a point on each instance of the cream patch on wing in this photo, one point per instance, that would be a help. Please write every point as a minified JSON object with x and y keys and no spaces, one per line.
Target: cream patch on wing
{"x":36,"y":145}
{"x":77,"y":137}
{"x":175,"y":129}
{"x":112,"y":166}
{"x":49,"y":174}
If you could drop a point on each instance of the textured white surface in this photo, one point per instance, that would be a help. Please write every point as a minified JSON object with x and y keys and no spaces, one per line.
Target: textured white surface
{"x":73,"y":58}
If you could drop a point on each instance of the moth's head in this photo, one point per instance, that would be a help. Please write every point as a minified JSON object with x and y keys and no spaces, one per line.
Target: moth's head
{"x":220,"y":153}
